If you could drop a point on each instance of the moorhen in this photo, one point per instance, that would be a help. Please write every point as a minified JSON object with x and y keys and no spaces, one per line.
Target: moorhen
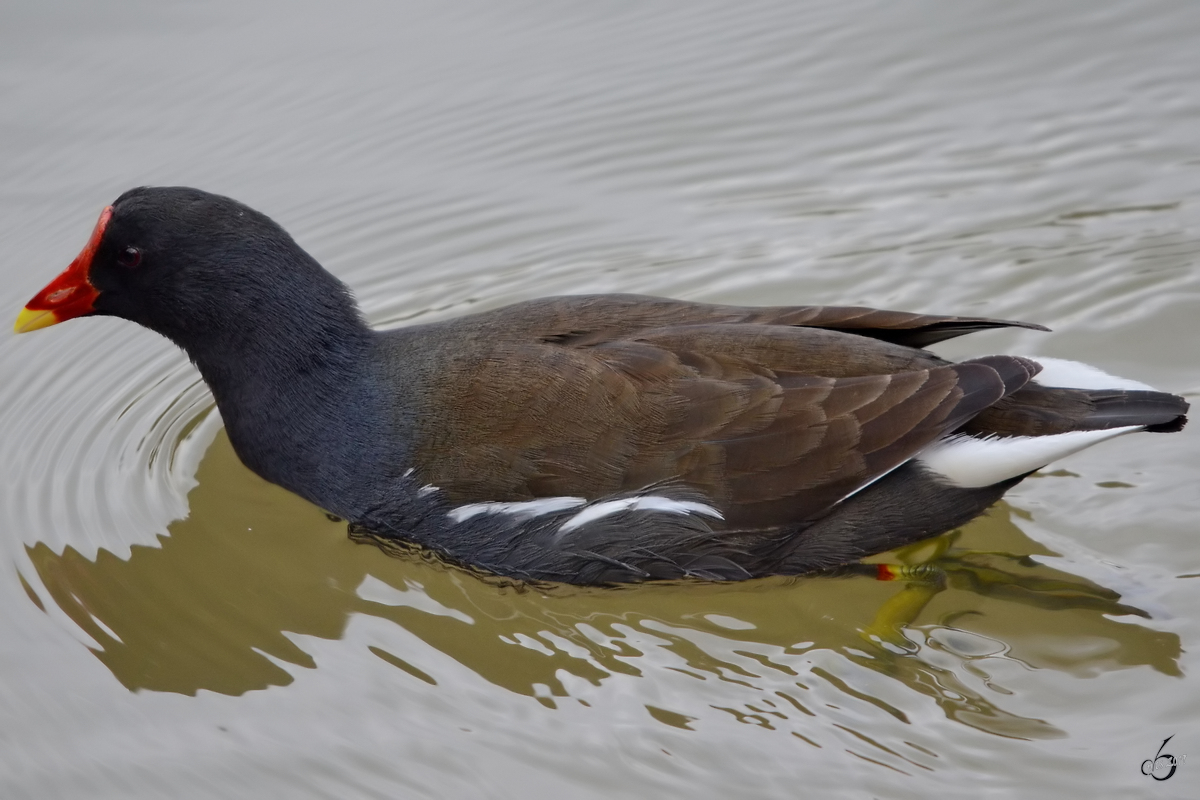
{"x":596,"y":438}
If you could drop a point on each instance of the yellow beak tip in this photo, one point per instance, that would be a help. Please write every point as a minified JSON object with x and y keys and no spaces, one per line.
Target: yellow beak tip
{"x":32,"y":319}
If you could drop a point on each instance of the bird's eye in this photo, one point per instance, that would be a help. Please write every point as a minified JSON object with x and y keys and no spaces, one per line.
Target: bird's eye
{"x":129,"y":257}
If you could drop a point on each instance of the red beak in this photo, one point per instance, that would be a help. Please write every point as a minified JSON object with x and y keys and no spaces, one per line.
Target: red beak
{"x":69,"y":295}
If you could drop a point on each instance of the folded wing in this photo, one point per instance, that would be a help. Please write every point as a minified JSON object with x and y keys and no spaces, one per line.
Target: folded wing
{"x":773,"y":422}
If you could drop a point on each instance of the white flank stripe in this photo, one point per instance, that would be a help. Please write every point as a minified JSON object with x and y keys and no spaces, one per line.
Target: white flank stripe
{"x":878,"y":477}
{"x":1063,"y":374}
{"x":647,"y":503}
{"x":971,"y":463}
{"x":528,"y":508}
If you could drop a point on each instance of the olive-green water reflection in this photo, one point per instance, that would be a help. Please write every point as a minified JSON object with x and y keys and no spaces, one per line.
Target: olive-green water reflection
{"x":212,"y":607}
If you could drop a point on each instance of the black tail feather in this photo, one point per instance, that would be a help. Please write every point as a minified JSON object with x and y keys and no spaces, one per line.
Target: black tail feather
{"x":1037,"y":410}
{"x":1158,"y":411}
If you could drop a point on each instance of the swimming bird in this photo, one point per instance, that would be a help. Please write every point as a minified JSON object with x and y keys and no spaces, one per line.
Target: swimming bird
{"x":590,"y":439}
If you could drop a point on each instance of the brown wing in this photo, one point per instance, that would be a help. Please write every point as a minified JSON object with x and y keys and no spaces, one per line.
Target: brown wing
{"x":593,"y":319}
{"x":773,"y":423}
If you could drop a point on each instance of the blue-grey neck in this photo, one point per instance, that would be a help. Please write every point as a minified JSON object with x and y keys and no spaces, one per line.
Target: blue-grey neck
{"x":299,"y":388}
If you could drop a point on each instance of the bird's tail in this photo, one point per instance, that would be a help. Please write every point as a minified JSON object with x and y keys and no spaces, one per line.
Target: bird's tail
{"x":1067,"y":396}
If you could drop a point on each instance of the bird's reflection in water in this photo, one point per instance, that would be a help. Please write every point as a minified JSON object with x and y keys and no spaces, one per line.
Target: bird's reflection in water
{"x":223,"y":602}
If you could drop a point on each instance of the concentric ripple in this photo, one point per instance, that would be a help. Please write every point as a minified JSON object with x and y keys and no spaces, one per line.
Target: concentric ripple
{"x":100,"y":451}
